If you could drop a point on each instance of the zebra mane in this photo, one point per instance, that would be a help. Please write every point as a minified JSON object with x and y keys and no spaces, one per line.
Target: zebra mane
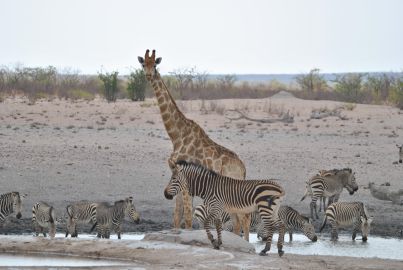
{"x":198,"y":166}
{"x":7,"y":194}
{"x":120,"y":201}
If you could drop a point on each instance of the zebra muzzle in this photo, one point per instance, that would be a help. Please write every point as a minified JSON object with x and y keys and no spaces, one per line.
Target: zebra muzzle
{"x":167,"y":195}
{"x":400,"y":161}
{"x":18,"y":215}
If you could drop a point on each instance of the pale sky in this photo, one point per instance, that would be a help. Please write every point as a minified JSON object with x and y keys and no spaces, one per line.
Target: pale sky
{"x":217,"y":36}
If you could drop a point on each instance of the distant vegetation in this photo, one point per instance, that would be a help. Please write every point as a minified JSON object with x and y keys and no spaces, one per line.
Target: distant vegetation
{"x":48,"y":82}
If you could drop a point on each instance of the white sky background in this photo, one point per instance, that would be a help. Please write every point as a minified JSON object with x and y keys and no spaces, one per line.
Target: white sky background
{"x":217,"y":36}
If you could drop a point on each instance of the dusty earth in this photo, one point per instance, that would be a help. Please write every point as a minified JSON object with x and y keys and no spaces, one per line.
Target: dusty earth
{"x":63,"y":151}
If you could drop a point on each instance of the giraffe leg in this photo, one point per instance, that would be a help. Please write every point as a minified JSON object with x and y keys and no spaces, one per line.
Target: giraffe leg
{"x":245,"y":225}
{"x":187,"y":209}
{"x":178,"y":212}
{"x":236,"y":224}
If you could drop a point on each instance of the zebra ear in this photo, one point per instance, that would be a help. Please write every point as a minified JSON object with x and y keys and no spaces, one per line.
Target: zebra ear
{"x":399,"y":146}
{"x":370,"y":219}
{"x":310,"y":220}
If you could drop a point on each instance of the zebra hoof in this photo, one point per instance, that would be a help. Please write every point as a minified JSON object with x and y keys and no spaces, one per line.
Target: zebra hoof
{"x":216,"y":244}
{"x":263,"y":253}
{"x":364,"y":239}
{"x":280,"y":253}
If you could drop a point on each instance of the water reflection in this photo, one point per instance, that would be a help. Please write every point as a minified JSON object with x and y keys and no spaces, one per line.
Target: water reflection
{"x":386,"y":248}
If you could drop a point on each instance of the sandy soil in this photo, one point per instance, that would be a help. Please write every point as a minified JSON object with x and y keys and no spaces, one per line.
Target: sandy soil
{"x":62,"y":151}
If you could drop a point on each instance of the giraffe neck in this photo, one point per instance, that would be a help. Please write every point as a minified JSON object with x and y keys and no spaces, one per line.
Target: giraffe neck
{"x":173,"y":118}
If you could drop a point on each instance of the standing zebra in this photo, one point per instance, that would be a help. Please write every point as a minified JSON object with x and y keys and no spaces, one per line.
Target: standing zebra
{"x":221,"y":193}
{"x":330,"y":185}
{"x":10,"y":203}
{"x":43,"y":216}
{"x":400,"y":152}
{"x":343,"y":214}
{"x":111,"y":217}
{"x":80,"y":213}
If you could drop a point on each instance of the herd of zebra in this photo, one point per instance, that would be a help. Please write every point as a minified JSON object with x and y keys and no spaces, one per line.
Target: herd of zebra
{"x":221,"y":196}
{"x":104,"y":216}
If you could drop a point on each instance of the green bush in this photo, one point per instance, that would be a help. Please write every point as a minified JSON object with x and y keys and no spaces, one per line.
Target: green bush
{"x":349,"y":87}
{"x":137,"y":84}
{"x":396,"y":93}
{"x":110,"y":81}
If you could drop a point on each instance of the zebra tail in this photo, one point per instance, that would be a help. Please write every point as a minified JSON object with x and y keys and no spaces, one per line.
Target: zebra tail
{"x":306,"y":194}
{"x":93,"y":227}
{"x":323,"y":224}
{"x":51,"y":215}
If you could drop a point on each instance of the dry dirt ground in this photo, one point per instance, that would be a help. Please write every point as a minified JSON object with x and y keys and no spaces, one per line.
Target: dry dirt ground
{"x":63,"y":151}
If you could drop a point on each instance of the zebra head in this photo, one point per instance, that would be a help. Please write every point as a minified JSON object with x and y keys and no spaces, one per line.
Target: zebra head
{"x":177,"y":183}
{"x":351,"y":183}
{"x":400,"y":152}
{"x":17,"y":203}
{"x":309,"y":230}
{"x":365,"y":227}
{"x":130,"y":210}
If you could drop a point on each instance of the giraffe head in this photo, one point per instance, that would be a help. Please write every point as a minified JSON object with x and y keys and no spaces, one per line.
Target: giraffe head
{"x":149,"y":64}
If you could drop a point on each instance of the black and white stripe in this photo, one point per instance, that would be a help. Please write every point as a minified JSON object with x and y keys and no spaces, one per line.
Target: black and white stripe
{"x":345,"y":214}
{"x":111,"y":217}
{"x":80,"y":213}
{"x":220,"y":193}
{"x":330,"y":185}
{"x":291,"y":220}
{"x":43,"y":216}
{"x":10,"y":203}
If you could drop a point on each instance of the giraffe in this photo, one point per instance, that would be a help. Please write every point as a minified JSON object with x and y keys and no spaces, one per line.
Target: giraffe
{"x":191,"y":144}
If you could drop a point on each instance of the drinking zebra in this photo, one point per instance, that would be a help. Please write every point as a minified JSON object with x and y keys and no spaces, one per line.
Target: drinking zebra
{"x":330,"y":185}
{"x":43,"y":216}
{"x":400,"y":152}
{"x":10,"y":203}
{"x":343,"y":214}
{"x":220,"y":193}
{"x":80,"y":213}
{"x":287,"y":217}
{"x":110,"y":217}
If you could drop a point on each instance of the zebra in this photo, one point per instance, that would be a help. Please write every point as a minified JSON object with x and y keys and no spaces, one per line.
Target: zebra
{"x":343,"y":214}
{"x":111,"y":217}
{"x":80,"y":212}
{"x":289,"y":218}
{"x":400,"y":152}
{"x":43,"y":216}
{"x":10,"y":203}
{"x":330,"y":185}
{"x":221,"y":193}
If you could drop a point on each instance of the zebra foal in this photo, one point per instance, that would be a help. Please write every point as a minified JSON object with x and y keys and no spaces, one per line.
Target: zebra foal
{"x":110,"y":217}
{"x":330,"y":185}
{"x":43,"y":216}
{"x":220,"y":193}
{"x":80,"y":213}
{"x":344,"y":214}
{"x":291,"y":220}
{"x":10,"y":203}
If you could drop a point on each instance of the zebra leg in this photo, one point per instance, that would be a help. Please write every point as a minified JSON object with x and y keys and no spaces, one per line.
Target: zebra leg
{"x":280,"y":241}
{"x":42,"y":231}
{"x":290,"y":234}
{"x":356,"y":229}
{"x":334,"y":234}
{"x":187,"y":209}
{"x":178,"y":212}
{"x":313,"y":206}
{"x":218,"y":225}
{"x":269,"y":228}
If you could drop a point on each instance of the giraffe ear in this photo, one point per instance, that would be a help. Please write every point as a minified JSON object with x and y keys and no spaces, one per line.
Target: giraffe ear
{"x":171,"y":164}
{"x":141,"y":59}
{"x":158,"y":60}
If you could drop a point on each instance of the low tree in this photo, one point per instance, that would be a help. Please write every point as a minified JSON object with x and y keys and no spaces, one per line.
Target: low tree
{"x":349,"y":86}
{"x":311,"y":82}
{"x":396,"y":92}
{"x":110,"y":81}
{"x":379,"y":86}
{"x":137,"y":85}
